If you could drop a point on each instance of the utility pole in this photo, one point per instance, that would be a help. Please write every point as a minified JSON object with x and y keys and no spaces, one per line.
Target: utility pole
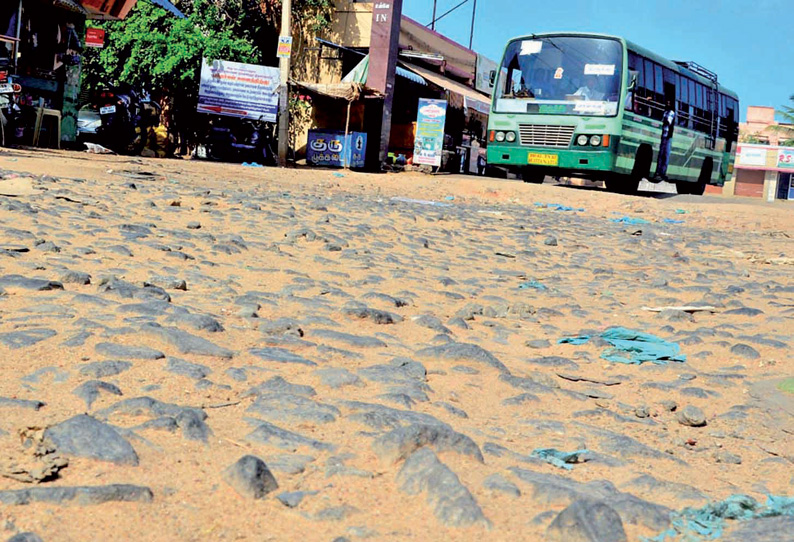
{"x":283,"y":102}
{"x":433,"y":24}
{"x":473,"y":17}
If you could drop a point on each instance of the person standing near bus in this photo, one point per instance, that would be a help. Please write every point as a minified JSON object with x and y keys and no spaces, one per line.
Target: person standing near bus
{"x":666,"y":146}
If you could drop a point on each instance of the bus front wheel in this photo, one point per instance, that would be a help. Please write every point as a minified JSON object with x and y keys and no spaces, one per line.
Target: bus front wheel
{"x":532,"y":175}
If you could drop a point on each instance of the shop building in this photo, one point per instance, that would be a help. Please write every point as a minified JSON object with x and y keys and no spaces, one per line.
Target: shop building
{"x":41,"y":45}
{"x":430,"y":66}
{"x":764,"y":158}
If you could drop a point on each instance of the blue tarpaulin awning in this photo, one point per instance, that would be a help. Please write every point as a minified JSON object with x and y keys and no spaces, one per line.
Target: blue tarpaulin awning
{"x":168,"y":6}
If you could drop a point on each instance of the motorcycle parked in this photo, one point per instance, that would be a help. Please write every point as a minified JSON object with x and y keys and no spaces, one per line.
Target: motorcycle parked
{"x":11,"y":126}
{"x":126,"y":116}
{"x":239,"y":140}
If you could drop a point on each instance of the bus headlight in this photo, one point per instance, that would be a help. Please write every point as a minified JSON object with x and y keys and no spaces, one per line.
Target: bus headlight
{"x":500,"y":136}
{"x":511,"y":137}
{"x":595,"y":141}
{"x":581,"y":140}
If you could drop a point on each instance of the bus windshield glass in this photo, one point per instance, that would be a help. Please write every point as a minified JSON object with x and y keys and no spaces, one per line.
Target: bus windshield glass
{"x":561,"y":76}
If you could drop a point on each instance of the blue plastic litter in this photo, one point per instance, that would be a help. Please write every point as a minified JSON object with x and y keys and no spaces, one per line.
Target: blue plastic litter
{"x":709,"y":522}
{"x":339,"y":175}
{"x":563,"y":460}
{"x":672,"y":221}
{"x":252,"y":164}
{"x":558,"y":207}
{"x":633,"y":347}
{"x":629,"y":220}
{"x":533,"y":285}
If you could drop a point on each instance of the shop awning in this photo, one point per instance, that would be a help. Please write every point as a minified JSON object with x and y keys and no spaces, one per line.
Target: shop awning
{"x":345,"y":91}
{"x":465,"y":97}
{"x":361,"y":71}
{"x":168,"y":6}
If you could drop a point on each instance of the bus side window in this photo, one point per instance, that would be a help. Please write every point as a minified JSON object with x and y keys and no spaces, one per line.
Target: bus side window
{"x":683,"y":102}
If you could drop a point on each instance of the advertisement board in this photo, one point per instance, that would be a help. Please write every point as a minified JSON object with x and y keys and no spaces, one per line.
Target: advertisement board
{"x":429,"y":142}
{"x":284,"y":47}
{"x":785,"y":159}
{"x":751,"y":156}
{"x":240,"y":90}
{"x":330,"y":148}
{"x":95,"y":37}
{"x":484,"y":68}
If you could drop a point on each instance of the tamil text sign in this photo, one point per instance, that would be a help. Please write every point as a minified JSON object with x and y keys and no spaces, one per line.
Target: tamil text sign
{"x":430,"y":122}
{"x":239,"y":90}
{"x":329,"y":148}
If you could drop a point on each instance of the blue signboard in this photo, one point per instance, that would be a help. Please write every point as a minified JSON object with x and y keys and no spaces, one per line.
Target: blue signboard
{"x":429,"y":142}
{"x":329,"y":148}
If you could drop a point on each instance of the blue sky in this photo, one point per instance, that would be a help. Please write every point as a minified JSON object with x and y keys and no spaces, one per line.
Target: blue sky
{"x":748,"y":43}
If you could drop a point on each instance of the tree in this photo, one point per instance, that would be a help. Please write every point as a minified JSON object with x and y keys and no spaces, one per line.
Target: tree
{"x":153,"y":49}
{"x":787,"y":116}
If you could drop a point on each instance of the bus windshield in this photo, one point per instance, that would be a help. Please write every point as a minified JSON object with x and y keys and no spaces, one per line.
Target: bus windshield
{"x":561,"y":76}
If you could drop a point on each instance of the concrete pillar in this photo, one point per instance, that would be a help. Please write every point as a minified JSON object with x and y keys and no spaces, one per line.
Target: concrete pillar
{"x":770,"y":185}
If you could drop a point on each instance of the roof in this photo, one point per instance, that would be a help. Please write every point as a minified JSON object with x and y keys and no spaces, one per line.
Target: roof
{"x":472,"y":98}
{"x":361,"y":71}
{"x":346,"y":91}
{"x":637,"y":49}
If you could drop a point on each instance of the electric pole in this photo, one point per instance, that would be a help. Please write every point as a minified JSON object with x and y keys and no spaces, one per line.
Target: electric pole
{"x":433,"y":24}
{"x":283,"y":102}
{"x":473,"y":16}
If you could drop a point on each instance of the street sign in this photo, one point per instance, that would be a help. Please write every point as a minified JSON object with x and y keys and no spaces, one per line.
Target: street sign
{"x":430,"y":122}
{"x":284,"y":47}
{"x":95,"y":37}
{"x":233,"y":89}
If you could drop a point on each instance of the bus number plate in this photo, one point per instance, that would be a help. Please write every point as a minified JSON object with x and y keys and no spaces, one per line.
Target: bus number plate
{"x":541,"y":159}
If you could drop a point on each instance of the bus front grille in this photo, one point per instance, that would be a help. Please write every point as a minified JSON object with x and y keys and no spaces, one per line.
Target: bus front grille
{"x":540,"y":135}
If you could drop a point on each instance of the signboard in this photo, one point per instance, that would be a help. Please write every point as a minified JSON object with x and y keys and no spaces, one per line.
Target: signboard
{"x":484,"y":68}
{"x":95,"y":37}
{"x":785,"y":159}
{"x":328,"y":148}
{"x":429,"y":141}
{"x":240,"y":90}
{"x":284,"y":47}
{"x":752,"y":156}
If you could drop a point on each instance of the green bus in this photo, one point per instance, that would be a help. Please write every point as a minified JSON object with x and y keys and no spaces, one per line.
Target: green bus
{"x":592,"y":106}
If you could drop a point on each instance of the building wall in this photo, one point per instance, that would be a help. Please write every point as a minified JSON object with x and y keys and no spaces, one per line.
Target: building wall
{"x":761,"y":125}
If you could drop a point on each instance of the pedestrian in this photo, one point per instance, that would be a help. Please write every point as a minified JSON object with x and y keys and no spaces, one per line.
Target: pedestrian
{"x":666,"y":146}
{"x":481,"y":163}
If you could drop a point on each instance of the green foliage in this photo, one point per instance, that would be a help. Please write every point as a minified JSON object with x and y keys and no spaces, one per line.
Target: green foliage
{"x":153,"y":48}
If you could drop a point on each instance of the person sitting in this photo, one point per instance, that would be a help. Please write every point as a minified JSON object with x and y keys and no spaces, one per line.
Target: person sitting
{"x":589,"y":91}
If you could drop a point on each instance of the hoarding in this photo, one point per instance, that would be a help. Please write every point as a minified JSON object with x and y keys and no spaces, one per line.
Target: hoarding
{"x":429,"y":142}
{"x":95,"y":37}
{"x":240,"y":90}
{"x":752,"y":156}
{"x":484,"y":68}
{"x":785,"y":159}
{"x":330,"y":148}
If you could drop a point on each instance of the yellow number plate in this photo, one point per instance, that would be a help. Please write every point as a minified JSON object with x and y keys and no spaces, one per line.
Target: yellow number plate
{"x":540,"y":159}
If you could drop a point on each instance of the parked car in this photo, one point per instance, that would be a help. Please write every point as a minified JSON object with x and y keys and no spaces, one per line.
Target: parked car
{"x":88,"y":123}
